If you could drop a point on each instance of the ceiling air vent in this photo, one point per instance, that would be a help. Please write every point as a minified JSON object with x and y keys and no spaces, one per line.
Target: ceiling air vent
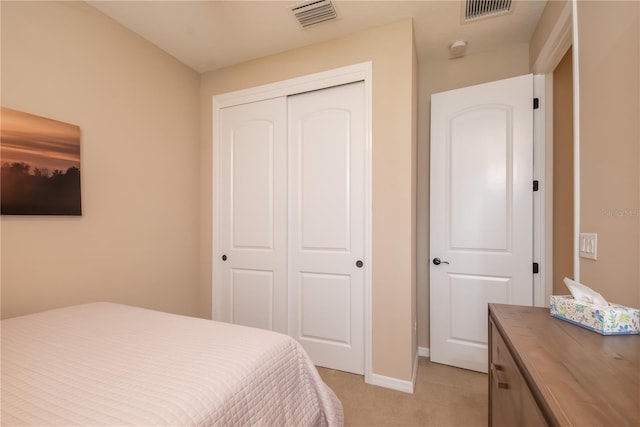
{"x":476,"y":9}
{"x":314,"y":12}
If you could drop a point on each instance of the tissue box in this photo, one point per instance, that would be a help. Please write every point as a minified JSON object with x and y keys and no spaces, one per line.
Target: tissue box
{"x":612,"y":320}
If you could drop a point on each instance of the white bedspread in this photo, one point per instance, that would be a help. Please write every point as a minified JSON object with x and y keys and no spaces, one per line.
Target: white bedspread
{"x":107,"y":364}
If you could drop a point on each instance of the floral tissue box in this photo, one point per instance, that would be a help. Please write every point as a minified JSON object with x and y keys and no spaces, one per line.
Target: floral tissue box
{"x":614,"y":319}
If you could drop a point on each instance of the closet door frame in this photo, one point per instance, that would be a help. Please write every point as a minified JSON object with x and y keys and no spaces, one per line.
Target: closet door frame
{"x":322,"y":80}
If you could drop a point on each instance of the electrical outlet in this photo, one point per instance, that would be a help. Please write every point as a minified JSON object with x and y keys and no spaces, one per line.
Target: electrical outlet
{"x":589,"y":245}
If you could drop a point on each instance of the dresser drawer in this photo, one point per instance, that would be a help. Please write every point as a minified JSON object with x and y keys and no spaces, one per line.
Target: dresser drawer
{"x":511,"y":402}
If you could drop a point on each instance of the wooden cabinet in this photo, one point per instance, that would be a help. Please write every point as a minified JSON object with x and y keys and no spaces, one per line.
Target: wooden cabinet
{"x":544,"y":371}
{"x":512,"y":403}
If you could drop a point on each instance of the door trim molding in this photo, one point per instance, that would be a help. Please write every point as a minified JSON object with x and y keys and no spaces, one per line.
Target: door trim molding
{"x":560,"y":39}
{"x":322,"y":80}
{"x":543,"y":199}
{"x":576,"y":144}
{"x":557,"y":44}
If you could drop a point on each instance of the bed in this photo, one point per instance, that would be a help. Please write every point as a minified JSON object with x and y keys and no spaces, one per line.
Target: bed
{"x":109,"y":364}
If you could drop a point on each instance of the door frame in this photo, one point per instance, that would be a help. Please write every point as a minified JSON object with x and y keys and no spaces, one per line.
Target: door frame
{"x":306,"y":83}
{"x":561,"y":37}
{"x":543,"y":198}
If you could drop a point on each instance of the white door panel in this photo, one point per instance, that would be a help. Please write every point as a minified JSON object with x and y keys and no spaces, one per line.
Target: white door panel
{"x":481,"y":213}
{"x":323,"y":177}
{"x":251,"y":153}
{"x":480,"y":177}
{"x":326,"y":234}
{"x":317,"y":292}
{"x":252,"y":298}
{"x":253,"y":209}
{"x":470,"y":295}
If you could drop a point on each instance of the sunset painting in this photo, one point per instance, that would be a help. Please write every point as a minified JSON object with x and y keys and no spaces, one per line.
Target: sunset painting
{"x":40,"y":165}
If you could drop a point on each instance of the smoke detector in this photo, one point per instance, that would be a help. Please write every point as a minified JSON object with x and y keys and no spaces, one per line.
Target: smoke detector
{"x":457,"y":49}
{"x":476,"y":9}
{"x":314,"y":12}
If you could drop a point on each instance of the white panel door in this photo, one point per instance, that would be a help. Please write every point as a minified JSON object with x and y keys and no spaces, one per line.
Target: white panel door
{"x":481,"y":213}
{"x":326,"y":226}
{"x":253,"y":214}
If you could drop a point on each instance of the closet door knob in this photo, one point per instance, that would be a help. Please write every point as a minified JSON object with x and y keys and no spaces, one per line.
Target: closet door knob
{"x":359,"y":263}
{"x":436,"y":261}
{"x":224,"y":257}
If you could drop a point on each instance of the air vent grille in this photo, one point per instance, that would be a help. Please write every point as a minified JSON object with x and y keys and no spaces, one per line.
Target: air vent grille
{"x":476,"y":9}
{"x":314,"y":12}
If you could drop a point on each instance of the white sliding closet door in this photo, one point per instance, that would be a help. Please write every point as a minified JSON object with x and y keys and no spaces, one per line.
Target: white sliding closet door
{"x":253,"y":214}
{"x":291,"y":220}
{"x":326,"y":224}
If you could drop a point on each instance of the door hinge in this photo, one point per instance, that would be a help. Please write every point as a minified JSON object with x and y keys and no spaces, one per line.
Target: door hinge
{"x":536,"y":268}
{"x":536,"y":185}
{"x":536,"y":103}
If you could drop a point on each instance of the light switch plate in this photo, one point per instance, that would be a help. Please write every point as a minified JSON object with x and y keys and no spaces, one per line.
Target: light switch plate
{"x":589,"y":245}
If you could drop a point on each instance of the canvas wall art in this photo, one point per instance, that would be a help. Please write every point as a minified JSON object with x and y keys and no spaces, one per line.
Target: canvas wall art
{"x":40,"y":165}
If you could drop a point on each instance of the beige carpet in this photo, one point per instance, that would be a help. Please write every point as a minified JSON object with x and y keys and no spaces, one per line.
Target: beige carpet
{"x":444,"y":396}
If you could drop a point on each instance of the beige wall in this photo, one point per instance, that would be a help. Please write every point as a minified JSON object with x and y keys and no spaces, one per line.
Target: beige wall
{"x":563,"y":174}
{"x":137,"y":108}
{"x":391,"y":50}
{"x":438,"y":76}
{"x":609,"y":58}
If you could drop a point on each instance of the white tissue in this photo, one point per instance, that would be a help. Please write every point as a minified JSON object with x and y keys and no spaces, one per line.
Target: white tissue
{"x":584,"y":293}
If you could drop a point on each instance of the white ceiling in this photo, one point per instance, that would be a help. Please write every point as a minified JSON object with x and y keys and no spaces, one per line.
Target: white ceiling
{"x":212,"y":34}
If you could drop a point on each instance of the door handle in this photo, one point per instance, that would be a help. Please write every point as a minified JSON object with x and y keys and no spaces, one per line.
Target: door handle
{"x":359,"y":263}
{"x":498,"y":376}
{"x":224,"y":257}
{"x":436,"y":261}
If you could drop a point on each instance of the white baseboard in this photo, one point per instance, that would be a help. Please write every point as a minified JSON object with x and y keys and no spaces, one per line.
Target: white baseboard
{"x":401,"y":385}
{"x":423,"y":351}
{"x":392,"y":383}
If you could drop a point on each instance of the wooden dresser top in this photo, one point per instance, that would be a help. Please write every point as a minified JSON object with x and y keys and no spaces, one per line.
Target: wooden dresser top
{"x":578,"y":377}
